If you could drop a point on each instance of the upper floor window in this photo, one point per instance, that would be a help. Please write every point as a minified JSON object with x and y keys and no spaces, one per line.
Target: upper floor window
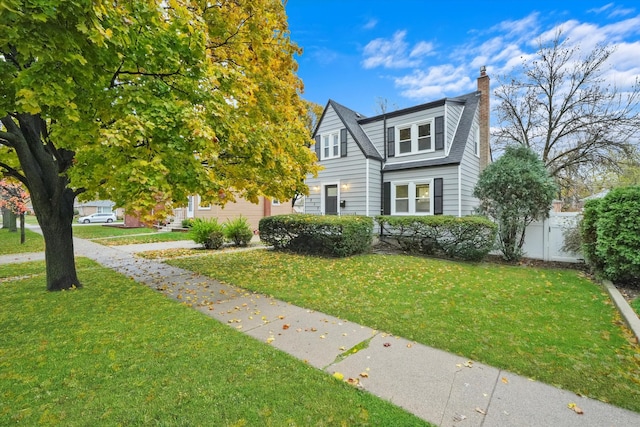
{"x":331,"y":145}
{"x":415,"y":138}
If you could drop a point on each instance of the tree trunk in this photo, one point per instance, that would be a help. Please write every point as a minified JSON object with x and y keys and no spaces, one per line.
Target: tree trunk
{"x":58,"y":238}
{"x":45,"y":168}
{"x":22,"y":236}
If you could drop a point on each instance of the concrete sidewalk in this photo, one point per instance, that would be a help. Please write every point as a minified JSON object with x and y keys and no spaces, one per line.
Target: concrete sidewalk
{"x":442,"y":388}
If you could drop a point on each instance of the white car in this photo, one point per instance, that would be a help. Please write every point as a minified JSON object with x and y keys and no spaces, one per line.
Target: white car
{"x":97,"y":217}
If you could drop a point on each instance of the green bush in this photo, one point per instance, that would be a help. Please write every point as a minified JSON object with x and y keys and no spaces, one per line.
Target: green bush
{"x":238,"y":231}
{"x":589,"y":234}
{"x":187,"y":223}
{"x":468,"y":238}
{"x":314,"y":234}
{"x":207,"y":232}
{"x":618,"y":234}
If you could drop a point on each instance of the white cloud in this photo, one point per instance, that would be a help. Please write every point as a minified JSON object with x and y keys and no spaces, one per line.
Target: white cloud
{"x":370,"y":24}
{"x":436,"y":82}
{"x":422,"y":49}
{"x":394,"y":52}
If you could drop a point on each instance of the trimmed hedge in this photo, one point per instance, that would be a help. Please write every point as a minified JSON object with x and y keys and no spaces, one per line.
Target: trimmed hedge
{"x":314,"y":234}
{"x":468,"y":238}
{"x":589,"y":233}
{"x":618,"y":234}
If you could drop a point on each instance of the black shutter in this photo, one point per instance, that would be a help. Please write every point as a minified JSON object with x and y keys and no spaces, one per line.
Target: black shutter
{"x":391,"y":141}
{"x":318,"y":148}
{"x":343,"y":143}
{"x":437,"y":196}
{"x":386,"y":199}
{"x":440,"y":133}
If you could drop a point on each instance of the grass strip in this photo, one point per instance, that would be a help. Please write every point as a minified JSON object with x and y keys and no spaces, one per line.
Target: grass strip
{"x":10,"y":242}
{"x":555,"y":326}
{"x":118,"y":353}
{"x":103,"y":231}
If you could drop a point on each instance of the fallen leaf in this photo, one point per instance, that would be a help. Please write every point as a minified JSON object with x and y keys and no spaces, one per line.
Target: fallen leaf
{"x":409,"y":345}
{"x":270,"y":340}
{"x":481,"y":411}
{"x":459,"y":417}
{"x":387,"y":344}
{"x":468,"y":364}
{"x":353,"y":381}
{"x":285,"y":326}
{"x":575,"y":408}
{"x":364,"y":374}
{"x":343,"y":348}
{"x":505,"y":380}
{"x":314,"y":330}
{"x":322,"y":337}
{"x":338,"y":375}
{"x":280,"y":317}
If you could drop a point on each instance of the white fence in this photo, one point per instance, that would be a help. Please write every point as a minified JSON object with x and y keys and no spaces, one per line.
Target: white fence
{"x":544,"y":239}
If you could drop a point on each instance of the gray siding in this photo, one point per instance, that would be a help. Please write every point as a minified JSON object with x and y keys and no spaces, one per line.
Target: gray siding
{"x":449,"y":175}
{"x":348,"y":172}
{"x":412,"y":118}
{"x":469,"y":171}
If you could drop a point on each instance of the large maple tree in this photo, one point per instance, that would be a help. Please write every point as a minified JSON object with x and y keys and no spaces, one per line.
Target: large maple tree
{"x":145,"y":102}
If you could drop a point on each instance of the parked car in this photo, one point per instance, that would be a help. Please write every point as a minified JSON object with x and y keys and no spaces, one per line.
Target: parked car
{"x":97,"y":217}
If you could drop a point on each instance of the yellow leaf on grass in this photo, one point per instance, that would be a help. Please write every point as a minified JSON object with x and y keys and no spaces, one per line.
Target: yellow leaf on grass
{"x":338,"y":375}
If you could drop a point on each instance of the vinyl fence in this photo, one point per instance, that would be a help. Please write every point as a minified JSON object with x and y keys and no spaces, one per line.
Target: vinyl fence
{"x":544,"y":239}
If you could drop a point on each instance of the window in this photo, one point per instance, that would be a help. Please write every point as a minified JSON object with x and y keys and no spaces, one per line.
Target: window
{"x":414,"y":138}
{"x":402,"y":198}
{"x":201,"y":206}
{"x":330,"y":145}
{"x":412,"y":198}
{"x":275,"y":202}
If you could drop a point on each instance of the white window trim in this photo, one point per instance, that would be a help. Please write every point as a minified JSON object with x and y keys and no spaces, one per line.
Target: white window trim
{"x":412,"y":198}
{"x":203,"y":208}
{"x":414,"y":137}
{"x":330,"y":136}
{"x":275,"y":202}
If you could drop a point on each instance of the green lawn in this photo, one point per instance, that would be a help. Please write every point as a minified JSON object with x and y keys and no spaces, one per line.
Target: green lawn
{"x":551,"y":325}
{"x":118,"y":353}
{"x":102,"y":231}
{"x":635,"y":304}
{"x":116,"y":236}
{"x":10,"y":242}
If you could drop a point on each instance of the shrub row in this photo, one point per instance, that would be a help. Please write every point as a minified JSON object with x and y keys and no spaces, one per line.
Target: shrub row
{"x":314,"y":234}
{"x":468,"y":238}
{"x":611,"y":234}
{"x":212,"y":235}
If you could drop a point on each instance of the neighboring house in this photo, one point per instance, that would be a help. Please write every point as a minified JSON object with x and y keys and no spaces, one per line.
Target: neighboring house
{"x":96,"y":206}
{"x":423,"y":160}
{"x":241,"y":207}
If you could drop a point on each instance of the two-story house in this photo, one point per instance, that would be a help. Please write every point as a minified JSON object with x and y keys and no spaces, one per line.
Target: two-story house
{"x":422,"y":160}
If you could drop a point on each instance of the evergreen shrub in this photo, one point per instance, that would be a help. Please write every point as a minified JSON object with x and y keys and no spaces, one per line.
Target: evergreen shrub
{"x":339,"y":236}
{"x":468,"y":238}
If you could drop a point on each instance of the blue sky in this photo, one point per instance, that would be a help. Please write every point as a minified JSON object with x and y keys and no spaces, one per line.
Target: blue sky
{"x":408,"y":51}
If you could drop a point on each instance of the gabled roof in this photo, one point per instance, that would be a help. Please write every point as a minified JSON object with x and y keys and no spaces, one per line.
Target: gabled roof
{"x":350,"y":120}
{"x":471,"y":102}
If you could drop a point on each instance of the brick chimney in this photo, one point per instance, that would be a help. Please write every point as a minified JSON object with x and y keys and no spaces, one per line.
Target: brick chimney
{"x":483,"y":88}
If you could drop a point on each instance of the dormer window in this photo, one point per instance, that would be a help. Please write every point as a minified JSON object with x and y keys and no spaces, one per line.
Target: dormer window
{"x":414,"y":138}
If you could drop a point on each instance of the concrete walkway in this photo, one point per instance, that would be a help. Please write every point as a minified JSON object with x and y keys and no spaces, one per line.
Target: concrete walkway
{"x":442,"y":388}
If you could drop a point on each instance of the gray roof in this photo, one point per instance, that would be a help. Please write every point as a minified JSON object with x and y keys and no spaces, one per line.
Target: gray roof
{"x":95,"y":203}
{"x":350,"y":119}
{"x":471,"y":102}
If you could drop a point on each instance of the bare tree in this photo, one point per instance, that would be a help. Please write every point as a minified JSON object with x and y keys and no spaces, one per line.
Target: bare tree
{"x":560,"y":105}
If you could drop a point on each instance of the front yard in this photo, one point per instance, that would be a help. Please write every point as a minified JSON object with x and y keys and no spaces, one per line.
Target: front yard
{"x":555,"y":326}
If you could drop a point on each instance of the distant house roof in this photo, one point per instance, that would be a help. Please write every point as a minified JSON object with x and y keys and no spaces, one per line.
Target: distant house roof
{"x":95,"y":203}
{"x":599,"y":195}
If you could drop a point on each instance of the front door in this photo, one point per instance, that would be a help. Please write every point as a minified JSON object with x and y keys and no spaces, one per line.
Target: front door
{"x":331,"y":200}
